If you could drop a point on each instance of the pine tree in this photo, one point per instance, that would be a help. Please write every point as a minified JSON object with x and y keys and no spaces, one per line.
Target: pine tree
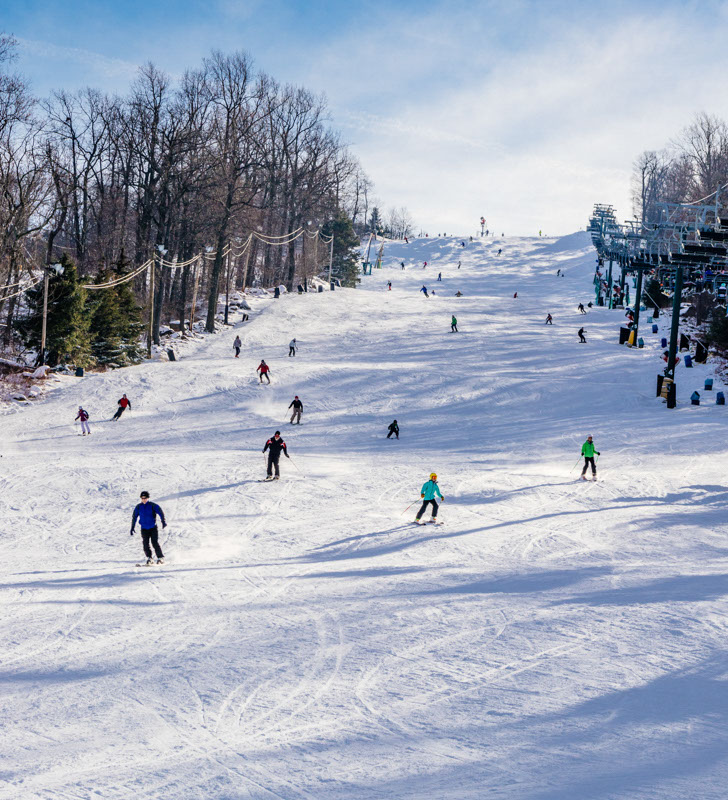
{"x":375,"y":221}
{"x":346,"y":253}
{"x":67,"y":338}
{"x":115,"y":324}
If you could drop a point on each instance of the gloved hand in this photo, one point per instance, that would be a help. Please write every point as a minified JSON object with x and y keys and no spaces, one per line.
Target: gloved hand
{"x":131,"y":532}
{"x":442,"y":499}
{"x":598,"y":453}
{"x":422,"y":495}
{"x":287,"y":456}
{"x":164,"y":525}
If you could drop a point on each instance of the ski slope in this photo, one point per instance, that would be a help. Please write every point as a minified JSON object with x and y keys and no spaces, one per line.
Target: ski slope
{"x":553,"y":640}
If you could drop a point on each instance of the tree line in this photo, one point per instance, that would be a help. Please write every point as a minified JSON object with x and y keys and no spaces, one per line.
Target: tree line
{"x":104,"y":182}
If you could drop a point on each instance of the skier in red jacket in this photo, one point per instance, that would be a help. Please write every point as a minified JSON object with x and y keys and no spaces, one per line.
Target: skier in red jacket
{"x":123,"y":405}
{"x":263,"y":369}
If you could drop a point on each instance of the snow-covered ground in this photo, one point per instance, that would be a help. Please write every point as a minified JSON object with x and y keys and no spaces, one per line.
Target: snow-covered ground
{"x":553,"y":640}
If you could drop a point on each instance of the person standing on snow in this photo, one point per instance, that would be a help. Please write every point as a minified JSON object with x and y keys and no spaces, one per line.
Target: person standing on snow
{"x":454,"y":325}
{"x":147,"y":513}
{"x":424,"y":265}
{"x":439,"y":276}
{"x":389,"y":286}
{"x":83,"y":416}
{"x":582,"y":338}
{"x":297,"y":410}
{"x":275,"y":445}
{"x":263,"y":369}
{"x":588,"y":450}
{"x":123,"y":405}
{"x":237,"y":344}
{"x":393,"y":429}
{"x":292,"y":348}
{"x":402,"y":263}
{"x":424,"y":291}
{"x":458,"y":265}
{"x":427,"y":493}
{"x":549,"y":319}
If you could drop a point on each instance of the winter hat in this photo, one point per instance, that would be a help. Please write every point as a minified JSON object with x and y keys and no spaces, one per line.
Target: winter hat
{"x":144,"y":494}
{"x":277,"y":433}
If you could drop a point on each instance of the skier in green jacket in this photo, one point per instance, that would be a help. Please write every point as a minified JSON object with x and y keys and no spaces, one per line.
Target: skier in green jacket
{"x":454,"y":325}
{"x":588,"y":450}
{"x":427,"y":493}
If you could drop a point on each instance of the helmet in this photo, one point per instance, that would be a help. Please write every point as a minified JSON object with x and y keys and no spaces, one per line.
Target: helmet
{"x":433,"y":476}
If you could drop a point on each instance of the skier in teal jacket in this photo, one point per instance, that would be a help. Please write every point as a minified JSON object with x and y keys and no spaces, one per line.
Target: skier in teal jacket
{"x":427,"y":493}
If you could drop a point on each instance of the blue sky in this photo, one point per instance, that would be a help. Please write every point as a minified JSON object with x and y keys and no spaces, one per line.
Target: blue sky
{"x":527,"y":112}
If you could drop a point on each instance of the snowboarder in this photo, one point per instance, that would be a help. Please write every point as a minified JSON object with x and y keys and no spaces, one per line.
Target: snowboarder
{"x":439,"y":276}
{"x":549,"y":319}
{"x":424,"y":291}
{"x":393,"y":429}
{"x":237,"y":344}
{"x":427,"y":493}
{"x":83,"y":416}
{"x":292,"y":347}
{"x":274,"y":446}
{"x":588,"y":450}
{"x":147,"y":513}
{"x":263,"y":369}
{"x":581,"y":308}
{"x":297,"y":410}
{"x":582,"y":339}
{"x":453,"y":325}
{"x":123,"y":405}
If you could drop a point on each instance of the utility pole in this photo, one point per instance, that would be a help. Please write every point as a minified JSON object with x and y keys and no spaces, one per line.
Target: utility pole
{"x":676,"y":300}
{"x":638,"y":302}
{"x":227,"y":287}
{"x":151,"y":306}
{"x":247,"y":259}
{"x":44,"y":328}
{"x":331,"y":256}
{"x":609,"y":284}
{"x":198,"y":270}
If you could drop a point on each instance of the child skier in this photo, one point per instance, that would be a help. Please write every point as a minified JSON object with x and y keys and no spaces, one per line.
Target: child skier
{"x":588,"y":450}
{"x":275,"y":445}
{"x":297,"y":410}
{"x":427,"y":493}
{"x":237,"y":344}
{"x":292,"y":347}
{"x":263,"y":369}
{"x":454,"y":325}
{"x":393,"y":429}
{"x":123,"y":405}
{"x":549,"y":319}
{"x":147,"y":513}
{"x":83,"y":416}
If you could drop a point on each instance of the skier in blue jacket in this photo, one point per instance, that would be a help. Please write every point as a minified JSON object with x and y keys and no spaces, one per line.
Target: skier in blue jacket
{"x":147,"y":513}
{"x":427,"y":493}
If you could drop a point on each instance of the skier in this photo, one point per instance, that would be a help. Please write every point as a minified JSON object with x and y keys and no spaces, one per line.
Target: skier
{"x":292,"y":347}
{"x":558,"y":272}
{"x":424,"y":291}
{"x":439,"y":276}
{"x":588,"y":450}
{"x":297,"y":409}
{"x":582,"y":339}
{"x":389,"y":286}
{"x":393,"y":429}
{"x":402,"y":264}
{"x":549,"y":319}
{"x":581,"y":308}
{"x":458,"y":265}
{"x":264,"y":369}
{"x":406,"y":240}
{"x":237,"y":344}
{"x":146,"y":513}
{"x":454,"y":325}
{"x":539,"y":233}
{"x":424,"y":265}
{"x":427,"y":493}
{"x":500,"y":250}
{"x":83,"y":416}
{"x":458,"y":293}
{"x":515,"y":295}
{"x":123,"y":405}
{"x":274,"y":446}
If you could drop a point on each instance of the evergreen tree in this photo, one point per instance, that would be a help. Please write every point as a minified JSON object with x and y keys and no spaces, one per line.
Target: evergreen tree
{"x":67,"y":338}
{"x":115,"y":324}
{"x":346,"y":252}
{"x":652,"y":295}
{"x":375,"y":221}
{"x":717,"y":333}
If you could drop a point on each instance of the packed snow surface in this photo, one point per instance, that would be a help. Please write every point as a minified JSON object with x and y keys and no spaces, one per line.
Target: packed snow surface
{"x":553,"y":640}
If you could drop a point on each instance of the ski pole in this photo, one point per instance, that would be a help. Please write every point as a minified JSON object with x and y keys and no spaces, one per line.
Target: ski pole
{"x":408,"y":508}
{"x":295,"y":465}
{"x":574,"y":467}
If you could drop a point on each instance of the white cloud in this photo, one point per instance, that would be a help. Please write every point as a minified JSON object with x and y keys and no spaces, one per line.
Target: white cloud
{"x":99,"y":64}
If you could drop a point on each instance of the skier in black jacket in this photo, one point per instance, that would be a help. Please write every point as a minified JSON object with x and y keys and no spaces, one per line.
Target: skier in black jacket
{"x":393,"y":429}
{"x":297,"y":406}
{"x":274,"y":446}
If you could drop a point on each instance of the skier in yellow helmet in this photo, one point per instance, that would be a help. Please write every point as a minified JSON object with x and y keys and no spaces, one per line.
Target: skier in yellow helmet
{"x":427,"y":493}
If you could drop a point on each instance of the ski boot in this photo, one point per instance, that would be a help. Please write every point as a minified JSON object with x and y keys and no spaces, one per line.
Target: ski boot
{"x":160,"y":560}
{"x":149,"y":562}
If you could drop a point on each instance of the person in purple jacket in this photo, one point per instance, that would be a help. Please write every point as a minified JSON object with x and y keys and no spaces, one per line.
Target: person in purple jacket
{"x":147,"y":512}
